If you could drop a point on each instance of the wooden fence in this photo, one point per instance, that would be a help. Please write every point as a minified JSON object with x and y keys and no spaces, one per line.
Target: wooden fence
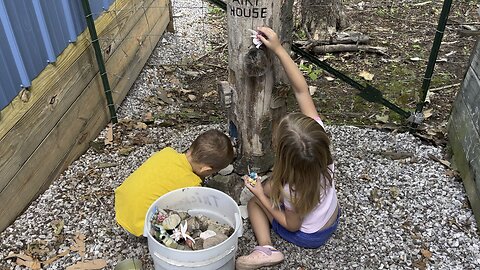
{"x":464,"y":132}
{"x":67,"y":108}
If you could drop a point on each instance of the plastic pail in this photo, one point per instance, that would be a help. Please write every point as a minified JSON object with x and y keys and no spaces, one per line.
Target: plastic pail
{"x":197,"y":201}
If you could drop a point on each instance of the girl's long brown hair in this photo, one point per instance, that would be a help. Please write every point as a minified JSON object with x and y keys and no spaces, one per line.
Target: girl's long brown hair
{"x":302,"y":156}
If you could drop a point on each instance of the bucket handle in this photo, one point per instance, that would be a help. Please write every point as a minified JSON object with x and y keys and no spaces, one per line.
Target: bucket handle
{"x":239,"y":223}
{"x":194,"y":264}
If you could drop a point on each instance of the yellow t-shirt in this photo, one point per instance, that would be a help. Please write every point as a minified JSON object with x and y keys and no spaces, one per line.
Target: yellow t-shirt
{"x":164,"y":171}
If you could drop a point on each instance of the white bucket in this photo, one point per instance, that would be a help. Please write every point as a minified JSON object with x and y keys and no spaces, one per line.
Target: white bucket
{"x":197,"y":201}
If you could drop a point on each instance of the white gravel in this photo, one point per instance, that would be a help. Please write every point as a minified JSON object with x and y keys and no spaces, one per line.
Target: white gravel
{"x":393,"y":211}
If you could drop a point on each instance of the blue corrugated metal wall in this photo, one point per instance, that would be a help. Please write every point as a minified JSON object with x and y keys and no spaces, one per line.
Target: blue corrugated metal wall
{"x":32,"y":34}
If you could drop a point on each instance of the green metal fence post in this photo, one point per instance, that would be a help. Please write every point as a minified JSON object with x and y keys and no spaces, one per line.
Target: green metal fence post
{"x":442,"y":22}
{"x":100,"y":61}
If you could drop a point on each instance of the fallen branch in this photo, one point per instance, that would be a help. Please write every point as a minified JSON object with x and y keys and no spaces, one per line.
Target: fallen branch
{"x":444,"y":87}
{"x":322,"y":49}
{"x":338,"y":38}
{"x":468,"y":33}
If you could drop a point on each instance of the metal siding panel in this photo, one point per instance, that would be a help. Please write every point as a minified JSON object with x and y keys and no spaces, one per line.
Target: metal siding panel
{"x":96,"y":7}
{"x":69,"y":18}
{"x":28,"y":36}
{"x":9,"y":79}
{"x":44,"y":32}
{"x":79,"y":18}
{"x":23,"y":54}
{"x":56,"y":24}
{"x":12,"y":45}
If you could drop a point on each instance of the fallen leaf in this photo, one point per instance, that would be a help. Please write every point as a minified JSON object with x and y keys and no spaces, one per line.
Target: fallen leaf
{"x":79,"y":244}
{"x":25,"y":260}
{"x":141,"y":125}
{"x":452,"y":173}
{"x":420,"y":264}
{"x":141,"y":139}
{"x":34,"y":265}
{"x":88,"y":265}
{"x":57,"y":226}
{"x":329,"y":79}
{"x":445,"y":163}
{"x":125,"y":151}
{"x":394,"y":192}
{"x":211,"y":93}
{"x":25,"y":95}
{"x":97,"y":146}
{"x":382,"y":118}
{"x":148,"y":118}
{"x":21,"y":256}
{"x":109,"y":136}
{"x":374,"y":195}
{"x":185,"y":91}
{"x":427,"y":113}
{"x":192,"y":73}
{"x":164,"y":97}
{"x":365,"y":176}
{"x":426,"y":253}
{"x":37,"y":247}
{"x":366,"y":75}
{"x":312,"y":90}
{"x":192,"y":97}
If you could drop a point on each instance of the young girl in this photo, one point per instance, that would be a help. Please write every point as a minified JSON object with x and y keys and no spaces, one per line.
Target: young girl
{"x":299,"y":200}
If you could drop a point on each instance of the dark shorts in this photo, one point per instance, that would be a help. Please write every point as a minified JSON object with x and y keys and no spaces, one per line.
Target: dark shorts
{"x":306,"y":240}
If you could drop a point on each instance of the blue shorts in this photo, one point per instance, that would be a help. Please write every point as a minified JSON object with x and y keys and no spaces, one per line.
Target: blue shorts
{"x":306,"y":240}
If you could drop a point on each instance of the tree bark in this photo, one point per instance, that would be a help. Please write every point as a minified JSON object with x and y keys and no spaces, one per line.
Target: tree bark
{"x":256,"y":79}
{"x":322,"y":18}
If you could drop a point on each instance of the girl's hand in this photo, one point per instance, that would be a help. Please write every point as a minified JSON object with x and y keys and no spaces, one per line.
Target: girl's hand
{"x":269,"y":38}
{"x":256,"y":189}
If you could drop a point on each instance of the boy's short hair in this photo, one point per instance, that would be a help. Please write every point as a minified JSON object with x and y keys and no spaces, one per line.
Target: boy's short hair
{"x":212,"y":148}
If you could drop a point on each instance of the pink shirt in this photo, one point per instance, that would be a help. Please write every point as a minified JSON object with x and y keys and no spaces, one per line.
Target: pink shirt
{"x":320,"y":215}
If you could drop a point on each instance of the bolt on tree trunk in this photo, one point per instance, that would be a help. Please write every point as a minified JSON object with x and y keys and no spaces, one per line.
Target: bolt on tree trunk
{"x":256,"y":83}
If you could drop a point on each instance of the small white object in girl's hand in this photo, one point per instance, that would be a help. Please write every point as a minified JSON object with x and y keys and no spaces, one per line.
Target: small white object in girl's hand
{"x":256,"y":41}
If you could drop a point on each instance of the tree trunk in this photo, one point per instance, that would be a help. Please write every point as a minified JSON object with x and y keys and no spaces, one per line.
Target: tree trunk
{"x":256,"y":80}
{"x":321,"y":18}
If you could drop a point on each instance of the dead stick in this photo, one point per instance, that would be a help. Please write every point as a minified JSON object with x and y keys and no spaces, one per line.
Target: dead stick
{"x":445,"y":87}
{"x":348,"y":48}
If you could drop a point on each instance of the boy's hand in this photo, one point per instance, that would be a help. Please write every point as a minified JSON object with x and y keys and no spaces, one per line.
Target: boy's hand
{"x":269,"y":38}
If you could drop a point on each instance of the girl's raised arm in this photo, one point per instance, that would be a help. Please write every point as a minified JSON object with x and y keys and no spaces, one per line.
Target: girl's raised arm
{"x":299,"y":85}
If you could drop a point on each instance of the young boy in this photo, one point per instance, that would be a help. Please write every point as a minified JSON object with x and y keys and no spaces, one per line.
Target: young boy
{"x":168,"y":170}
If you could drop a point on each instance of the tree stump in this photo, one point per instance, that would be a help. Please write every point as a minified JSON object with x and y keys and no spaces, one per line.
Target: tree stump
{"x":255,"y":93}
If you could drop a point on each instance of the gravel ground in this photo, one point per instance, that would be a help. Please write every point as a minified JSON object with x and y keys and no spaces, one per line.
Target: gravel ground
{"x":396,"y":213}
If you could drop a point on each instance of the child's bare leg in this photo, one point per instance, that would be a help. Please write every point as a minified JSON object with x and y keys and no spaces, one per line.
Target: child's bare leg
{"x":263,"y":254}
{"x":260,"y":219}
